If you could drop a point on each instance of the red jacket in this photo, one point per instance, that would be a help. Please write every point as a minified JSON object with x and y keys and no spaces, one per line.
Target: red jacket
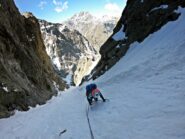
{"x":94,"y":91}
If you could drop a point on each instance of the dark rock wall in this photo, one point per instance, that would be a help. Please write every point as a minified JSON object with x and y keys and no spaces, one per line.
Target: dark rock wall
{"x":26,"y":73}
{"x":140,"y":19}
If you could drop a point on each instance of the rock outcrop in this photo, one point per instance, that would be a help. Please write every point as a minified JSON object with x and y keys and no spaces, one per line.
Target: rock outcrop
{"x":96,"y":30}
{"x":27,"y":77}
{"x":75,"y":43}
{"x":69,"y":50}
{"x":139,"y":19}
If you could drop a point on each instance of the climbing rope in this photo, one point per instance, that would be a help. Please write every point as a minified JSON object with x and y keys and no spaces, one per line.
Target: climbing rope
{"x":87,"y":115}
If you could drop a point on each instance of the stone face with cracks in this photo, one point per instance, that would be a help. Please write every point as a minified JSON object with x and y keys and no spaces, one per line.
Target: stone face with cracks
{"x":26,"y":73}
{"x":70,"y":51}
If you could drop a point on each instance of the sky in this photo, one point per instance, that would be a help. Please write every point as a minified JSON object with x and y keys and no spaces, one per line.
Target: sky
{"x":60,"y":10}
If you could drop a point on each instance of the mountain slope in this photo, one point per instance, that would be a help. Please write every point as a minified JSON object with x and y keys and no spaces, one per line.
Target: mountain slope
{"x":146,"y":92}
{"x":69,"y":50}
{"x":139,"y":19}
{"x":148,"y":101}
{"x":26,"y":73}
{"x":95,"y":29}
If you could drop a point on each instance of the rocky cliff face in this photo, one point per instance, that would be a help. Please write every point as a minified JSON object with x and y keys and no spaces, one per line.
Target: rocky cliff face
{"x":73,"y":45}
{"x":96,"y":30}
{"x":139,"y":19}
{"x":26,"y":74}
{"x":70,"y":51}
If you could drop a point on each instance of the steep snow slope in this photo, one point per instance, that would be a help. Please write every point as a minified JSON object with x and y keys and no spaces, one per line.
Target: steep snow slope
{"x":146,"y":89}
{"x":46,"y":122}
{"x":146,"y":92}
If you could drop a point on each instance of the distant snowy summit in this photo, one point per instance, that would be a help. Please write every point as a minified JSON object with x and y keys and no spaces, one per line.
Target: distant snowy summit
{"x":95,"y":29}
{"x":82,"y":17}
{"x":87,"y":17}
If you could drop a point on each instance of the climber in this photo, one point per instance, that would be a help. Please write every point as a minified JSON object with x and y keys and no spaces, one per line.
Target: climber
{"x":92,"y":93}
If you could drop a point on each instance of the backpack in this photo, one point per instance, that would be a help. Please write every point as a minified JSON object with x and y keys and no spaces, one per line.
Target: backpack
{"x":91,"y":87}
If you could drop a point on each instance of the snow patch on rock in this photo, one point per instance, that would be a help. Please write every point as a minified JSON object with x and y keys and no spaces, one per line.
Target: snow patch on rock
{"x":120,"y":35}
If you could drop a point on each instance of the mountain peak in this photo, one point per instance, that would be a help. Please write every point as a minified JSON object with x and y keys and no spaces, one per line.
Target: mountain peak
{"x":27,"y":14}
{"x":83,"y":16}
{"x":84,"y":13}
{"x":87,"y":24}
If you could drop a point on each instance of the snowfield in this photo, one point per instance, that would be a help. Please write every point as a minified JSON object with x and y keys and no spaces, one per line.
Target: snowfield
{"x":146,"y":90}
